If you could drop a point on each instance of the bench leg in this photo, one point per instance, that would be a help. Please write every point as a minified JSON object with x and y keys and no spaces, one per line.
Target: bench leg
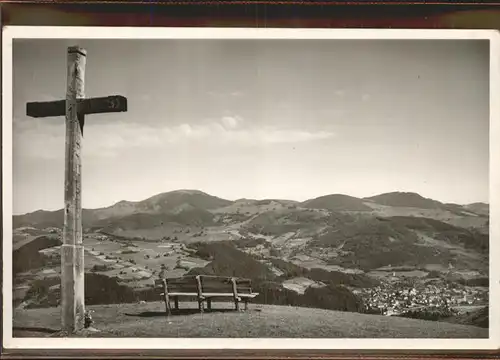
{"x":236,"y":304}
{"x":176,"y":302}
{"x":246,"y":305}
{"x":209,"y":304}
{"x":200,"y":305}
{"x":167,"y":305}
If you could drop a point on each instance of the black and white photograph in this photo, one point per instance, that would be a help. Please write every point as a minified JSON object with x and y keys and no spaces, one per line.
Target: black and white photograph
{"x":250,"y":185}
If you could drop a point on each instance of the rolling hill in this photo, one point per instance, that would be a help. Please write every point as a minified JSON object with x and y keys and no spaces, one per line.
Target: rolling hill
{"x":28,"y":256}
{"x":388,"y":229}
{"x":405,"y":199}
{"x":187,"y":217}
{"x":197,"y":205}
{"x":479,"y":208}
{"x":314,"y":253}
{"x":173,"y":202}
{"x":45,"y":219}
{"x":337,"y":202}
{"x":409,"y":200}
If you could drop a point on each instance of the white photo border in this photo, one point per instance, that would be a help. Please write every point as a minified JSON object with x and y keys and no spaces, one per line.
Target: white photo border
{"x":67,"y":32}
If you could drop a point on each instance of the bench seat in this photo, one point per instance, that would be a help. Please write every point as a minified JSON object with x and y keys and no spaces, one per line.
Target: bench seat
{"x":250,"y":296}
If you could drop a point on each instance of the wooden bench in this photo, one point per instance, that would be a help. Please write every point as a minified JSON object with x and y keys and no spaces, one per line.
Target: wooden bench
{"x":205,"y":288}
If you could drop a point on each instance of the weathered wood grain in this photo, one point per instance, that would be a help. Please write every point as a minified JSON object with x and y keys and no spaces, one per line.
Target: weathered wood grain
{"x":72,"y":267}
{"x":99,"y":105}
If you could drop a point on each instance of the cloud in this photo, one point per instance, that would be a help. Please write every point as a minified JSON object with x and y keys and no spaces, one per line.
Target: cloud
{"x":276,"y":136}
{"x":366,"y":97}
{"x":231,"y":122}
{"x":110,"y":139}
{"x":231,"y":94}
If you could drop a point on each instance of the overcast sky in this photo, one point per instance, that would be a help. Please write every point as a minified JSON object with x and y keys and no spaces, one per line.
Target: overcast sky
{"x":259,"y":119}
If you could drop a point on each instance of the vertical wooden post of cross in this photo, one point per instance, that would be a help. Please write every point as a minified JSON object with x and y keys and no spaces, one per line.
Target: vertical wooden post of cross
{"x":72,"y":251}
{"x":75,"y":106}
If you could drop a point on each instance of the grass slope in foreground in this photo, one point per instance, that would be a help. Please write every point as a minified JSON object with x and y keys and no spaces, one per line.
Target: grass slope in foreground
{"x":149,"y":320}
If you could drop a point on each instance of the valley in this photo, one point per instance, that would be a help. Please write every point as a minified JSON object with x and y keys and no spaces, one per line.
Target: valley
{"x":334,"y":252}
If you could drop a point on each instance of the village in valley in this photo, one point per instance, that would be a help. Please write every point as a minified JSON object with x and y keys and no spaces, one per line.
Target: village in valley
{"x":432,"y":296}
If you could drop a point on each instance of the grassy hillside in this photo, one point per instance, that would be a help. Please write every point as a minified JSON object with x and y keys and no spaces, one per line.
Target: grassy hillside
{"x":148,"y":218}
{"x":454,"y":235}
{"x":148,"y":320}
{"x":479,"y":317}
{"x":226,"y":260}
{"x":291,"y":270}
{"x":406,"y":199}
{"x":479,"y":208}
{"x":99,"y":289}
{"x":166,"y":203}
{"x":369,"y":243}
{"x":189,"y":217}
{"x":27,"y":257}
{"x":336,"y":202}
{"x":45,"y":219}
{"x":169,"y":202}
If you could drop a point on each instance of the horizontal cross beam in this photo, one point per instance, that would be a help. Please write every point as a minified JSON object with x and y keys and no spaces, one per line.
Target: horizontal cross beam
{"x":99,"y":105}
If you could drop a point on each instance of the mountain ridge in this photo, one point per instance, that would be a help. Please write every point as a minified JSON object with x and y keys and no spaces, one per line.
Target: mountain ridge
{"x":178,"y":204}
{"x":199,"y":192}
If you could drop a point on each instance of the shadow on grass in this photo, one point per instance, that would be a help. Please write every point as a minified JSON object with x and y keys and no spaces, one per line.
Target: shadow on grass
{"x":178,"y":312}
{"x":35,"y":329}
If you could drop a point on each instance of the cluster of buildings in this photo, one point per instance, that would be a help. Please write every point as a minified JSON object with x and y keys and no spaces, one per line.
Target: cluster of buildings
{"x":53,"y":230}
{"x":392,"y":299}
{"x":100,"y":237}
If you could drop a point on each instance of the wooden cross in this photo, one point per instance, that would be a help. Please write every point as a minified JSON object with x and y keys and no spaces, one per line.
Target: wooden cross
{"x":75,"y":107}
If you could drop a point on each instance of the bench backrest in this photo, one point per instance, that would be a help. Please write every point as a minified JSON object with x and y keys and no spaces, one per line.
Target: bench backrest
{"x":208,"y":284}
{"x":187,"y":284}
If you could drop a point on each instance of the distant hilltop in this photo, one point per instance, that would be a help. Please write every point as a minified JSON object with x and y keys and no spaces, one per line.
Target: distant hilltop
{"x":196,"y":203}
